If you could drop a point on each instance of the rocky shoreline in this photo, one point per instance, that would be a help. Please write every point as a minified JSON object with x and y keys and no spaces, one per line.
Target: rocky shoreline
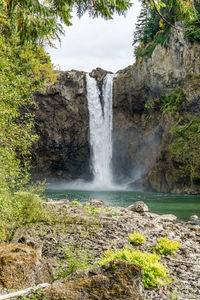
{"x":39,"y":252}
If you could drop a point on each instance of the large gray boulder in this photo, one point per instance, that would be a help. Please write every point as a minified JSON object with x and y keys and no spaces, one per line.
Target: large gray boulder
{"x":117,"y":280}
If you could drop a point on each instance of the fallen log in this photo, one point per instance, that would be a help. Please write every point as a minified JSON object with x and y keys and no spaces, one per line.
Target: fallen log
{"x":23,"y":292}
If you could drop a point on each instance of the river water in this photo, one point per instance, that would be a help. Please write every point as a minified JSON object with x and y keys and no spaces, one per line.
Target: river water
{"x":183,"y":206}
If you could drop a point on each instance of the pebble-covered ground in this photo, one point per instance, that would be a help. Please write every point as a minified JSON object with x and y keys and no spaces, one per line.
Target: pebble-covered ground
{"x":95,"y":227}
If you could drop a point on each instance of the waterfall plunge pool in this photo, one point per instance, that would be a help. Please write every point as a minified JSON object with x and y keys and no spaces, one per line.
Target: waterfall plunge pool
{"x":100,"y":125}
{"x":183,"y":206}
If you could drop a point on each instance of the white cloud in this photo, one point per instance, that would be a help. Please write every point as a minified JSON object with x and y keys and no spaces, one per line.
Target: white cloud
{"x":92,"y":43}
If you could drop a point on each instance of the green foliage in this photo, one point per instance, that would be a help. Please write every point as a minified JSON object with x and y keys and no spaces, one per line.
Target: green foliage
{"x":192,"y":29}
{"x":137,"y":238}
{"x":36,"y":21}
{"x":172,"y":101}
{"x":19,"y":208}
{"x":151,"y":30}
{"x":185,"y":133}
{"x":161,"y":37}
{"x":154,"y":272}
{"x":92,"y":210}
{"x":156,"y":20}
{"x":36,"y":295}
{"x":152,"y":104}
{"x":184,"y":149}
{"x":74,"y":202}
{"x":147,"y":25}
{"x":167,"y":247}
{"x":22,"y":71}
{"x":173,"y":295}
{"x":75,"y":259}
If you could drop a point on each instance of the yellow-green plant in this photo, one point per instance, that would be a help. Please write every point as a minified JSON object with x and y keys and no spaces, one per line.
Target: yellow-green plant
{"x":137,"y":238}
{"x":74,"y":202}
{"x":154,"y":272}
{"x":167,"y":247}
{"x":92,"y":210}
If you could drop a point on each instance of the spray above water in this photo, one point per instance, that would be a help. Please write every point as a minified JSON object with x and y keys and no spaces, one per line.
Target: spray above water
{"x":100,"y":124}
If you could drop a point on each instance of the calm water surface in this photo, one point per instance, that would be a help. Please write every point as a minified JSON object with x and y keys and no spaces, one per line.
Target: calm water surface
{"x":183,"y":206}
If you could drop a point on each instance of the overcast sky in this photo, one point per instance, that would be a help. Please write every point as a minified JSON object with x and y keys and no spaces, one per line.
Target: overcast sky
{"x":91,"y":43}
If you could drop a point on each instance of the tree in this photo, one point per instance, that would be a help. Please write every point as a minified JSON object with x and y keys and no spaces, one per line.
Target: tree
{"x":147,"y":25}
{"x":36,"y":20}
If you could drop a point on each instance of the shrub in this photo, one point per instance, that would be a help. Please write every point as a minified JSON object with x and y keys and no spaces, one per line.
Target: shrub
{"x":76,"y":259}
{"x":137,"y":238}
{"x":91,"y":210}
{"x":154,"y":272}
{"x":171,"y":102}
{"x":184,"y":149}
{"x":74,"y":202}
{"x":192,"y":31}
{"x":19,"y":208}
{"x":167,"y":247}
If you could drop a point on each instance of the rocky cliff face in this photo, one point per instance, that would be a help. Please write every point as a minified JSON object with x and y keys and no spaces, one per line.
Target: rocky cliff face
{"x":143,"y":145}
{"x":62,"y":124}
{"x":139,"y":147}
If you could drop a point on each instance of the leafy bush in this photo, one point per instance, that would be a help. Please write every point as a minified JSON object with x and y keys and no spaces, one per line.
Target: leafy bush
{"x":35,"y":295}
{"x":192,"y":31}
{"x":137,"y":238}
{"x":161,"y":37}
{"x":154,"y":272}
{"x":172,"y":101}
{"x":184,"y":149}
{"x":167,"y":247}
{"x":76,"y":259}
{"x":19,"y":208}
{"x":92,"y":210}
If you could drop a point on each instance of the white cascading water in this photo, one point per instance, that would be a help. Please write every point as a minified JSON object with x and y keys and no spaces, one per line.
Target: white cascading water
{"x":100,"y":123}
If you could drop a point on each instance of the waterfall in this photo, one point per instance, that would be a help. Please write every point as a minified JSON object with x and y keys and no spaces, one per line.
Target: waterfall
{"x":100,"y":124}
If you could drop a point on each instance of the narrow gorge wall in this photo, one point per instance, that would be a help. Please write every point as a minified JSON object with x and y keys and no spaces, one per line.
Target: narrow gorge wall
{"x":140,"y":149}
{"x":61,"y":119}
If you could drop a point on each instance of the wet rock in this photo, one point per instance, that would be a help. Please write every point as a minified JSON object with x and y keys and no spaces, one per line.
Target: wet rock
{"x":99,"y":75}
{"x":115,"y":280}
{"x":138,"y":206}
{"x":141,"y":184}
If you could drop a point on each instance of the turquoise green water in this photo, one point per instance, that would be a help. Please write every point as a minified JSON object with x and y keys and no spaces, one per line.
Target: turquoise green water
{"x":183,"y":206}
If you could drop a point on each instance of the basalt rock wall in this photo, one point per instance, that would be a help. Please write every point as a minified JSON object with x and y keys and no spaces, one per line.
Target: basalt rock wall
{"x":140,"y":152}
{"x":61,"y":118}
{"x":142,"y":146}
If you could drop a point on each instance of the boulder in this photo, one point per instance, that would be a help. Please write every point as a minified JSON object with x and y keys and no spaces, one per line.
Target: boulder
{"x":166,"y":218}
{"x":139,"y":206}
{"x":95,"y":202}
{"x":194,"y":217}
{"x":21,"y":266}
{"x":115,"y":280}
